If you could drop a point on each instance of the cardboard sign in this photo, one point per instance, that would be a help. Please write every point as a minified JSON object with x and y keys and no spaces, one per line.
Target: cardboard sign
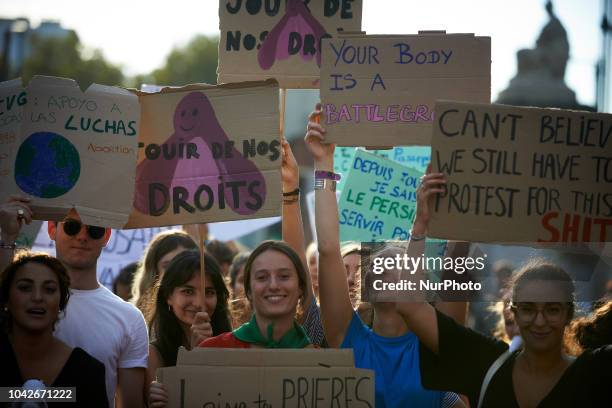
{"x":66,"y":148}
{"x":208,"y":153}
{"x":522,"y":174}
{"x":416,"y":157}
{"x":279,"y":39}
{"x":267,"y":378}
{"x":380,"y":90}
{"x":378,"y":201}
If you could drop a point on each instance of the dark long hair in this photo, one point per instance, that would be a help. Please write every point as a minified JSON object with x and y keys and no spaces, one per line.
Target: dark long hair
{"x":147,"y":274}
{"x":22,"y":259}
{"x":539,"y":269}
{"x":165,"y":328}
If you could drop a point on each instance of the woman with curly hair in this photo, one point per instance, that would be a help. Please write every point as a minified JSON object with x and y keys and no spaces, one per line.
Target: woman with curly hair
{"x":34,"y":292}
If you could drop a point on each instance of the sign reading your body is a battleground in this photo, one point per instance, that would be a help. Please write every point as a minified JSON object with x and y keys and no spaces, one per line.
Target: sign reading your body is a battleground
{"x":380,"y":90}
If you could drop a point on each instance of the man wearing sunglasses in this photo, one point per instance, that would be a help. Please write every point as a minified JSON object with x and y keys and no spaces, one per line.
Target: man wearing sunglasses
{"x":111,"y":330}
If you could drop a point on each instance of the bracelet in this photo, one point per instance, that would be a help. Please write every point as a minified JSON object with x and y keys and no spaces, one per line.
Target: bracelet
{"x":329,"y":175}
{"x":291,"y":199}
{"x":417,"y":237}
{"x":325,"y":184}
{"x":295,"y":192}
{"x":4,"y":245}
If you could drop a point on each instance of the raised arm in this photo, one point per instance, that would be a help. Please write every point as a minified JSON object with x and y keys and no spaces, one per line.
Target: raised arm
{"x":336,"y":309}
{"x":293,"y":228}
{"x":13,"y":213}
{"x":420,"y":315}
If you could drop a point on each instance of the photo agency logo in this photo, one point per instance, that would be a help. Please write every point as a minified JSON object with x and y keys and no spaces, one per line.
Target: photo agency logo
{"x":477,"y":272}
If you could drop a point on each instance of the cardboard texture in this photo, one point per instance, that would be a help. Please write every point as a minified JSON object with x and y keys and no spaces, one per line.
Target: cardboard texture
{"x":379,"y":91}
{"x":66,"y":148}
{"x":267,"y":378}
{"x":522,"y":175}
{"x":279,"y":38}
{"x":208,"y":153}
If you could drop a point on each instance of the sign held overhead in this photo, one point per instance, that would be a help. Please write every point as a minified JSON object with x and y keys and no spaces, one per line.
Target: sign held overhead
{"x":280,"y":39}
{"x":379,"y":90}
{"x":523,"y":175}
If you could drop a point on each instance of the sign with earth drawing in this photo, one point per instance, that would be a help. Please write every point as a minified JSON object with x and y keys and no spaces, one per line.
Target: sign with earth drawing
{"x":66,"y":148}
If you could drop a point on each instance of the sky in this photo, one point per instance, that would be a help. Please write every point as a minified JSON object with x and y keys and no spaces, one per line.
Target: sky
{"x":139,"y":34}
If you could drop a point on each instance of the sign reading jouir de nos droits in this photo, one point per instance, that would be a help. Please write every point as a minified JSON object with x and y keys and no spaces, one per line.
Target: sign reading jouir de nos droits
{"x":202,"y":159}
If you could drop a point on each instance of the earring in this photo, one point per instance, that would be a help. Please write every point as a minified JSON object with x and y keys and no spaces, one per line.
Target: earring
{"x":170,"y":308}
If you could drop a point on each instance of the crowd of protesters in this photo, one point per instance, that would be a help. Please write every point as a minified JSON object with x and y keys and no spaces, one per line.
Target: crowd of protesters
{"x":58,"y":321}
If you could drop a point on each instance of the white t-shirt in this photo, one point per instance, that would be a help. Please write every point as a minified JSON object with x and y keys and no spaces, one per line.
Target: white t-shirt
{"x":107,"y":327}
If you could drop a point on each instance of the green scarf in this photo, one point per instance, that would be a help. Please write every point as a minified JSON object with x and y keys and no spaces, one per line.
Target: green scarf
{"x":295,"y":338}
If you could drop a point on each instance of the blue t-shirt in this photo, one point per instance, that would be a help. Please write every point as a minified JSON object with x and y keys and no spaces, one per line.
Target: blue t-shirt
{"x":395,"y":361}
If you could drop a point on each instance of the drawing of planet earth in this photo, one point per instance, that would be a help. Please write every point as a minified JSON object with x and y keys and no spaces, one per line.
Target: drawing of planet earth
{"x":47,"y":165}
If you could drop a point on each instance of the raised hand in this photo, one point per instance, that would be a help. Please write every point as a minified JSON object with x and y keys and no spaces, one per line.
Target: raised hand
{"x":13,"y":213}
{"x":201,"y":329}
{"x":290,"y":171}
{"x":431,"y":184}
{"x":315,"y":138}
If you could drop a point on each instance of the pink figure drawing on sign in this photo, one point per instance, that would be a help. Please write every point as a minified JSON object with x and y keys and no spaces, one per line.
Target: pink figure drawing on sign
{"x":297,"y":26}
{"x":232,"y":179}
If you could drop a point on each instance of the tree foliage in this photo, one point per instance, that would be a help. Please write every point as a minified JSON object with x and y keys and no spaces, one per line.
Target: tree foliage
{"x":194,"y":63}
{"x":63,"y":57}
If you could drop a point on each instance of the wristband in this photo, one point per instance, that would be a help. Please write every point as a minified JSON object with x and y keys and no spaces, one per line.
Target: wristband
{"x":291,"y":193}
{"x":328,"y":175}
{"x":417,"y":237}
{"x":325,"y":184}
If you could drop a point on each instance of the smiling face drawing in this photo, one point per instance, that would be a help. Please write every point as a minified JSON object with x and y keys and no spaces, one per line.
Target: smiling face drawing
{"x":195,"y":123}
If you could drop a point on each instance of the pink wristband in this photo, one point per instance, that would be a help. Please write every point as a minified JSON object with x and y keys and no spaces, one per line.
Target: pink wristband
{"x":329,"y":175}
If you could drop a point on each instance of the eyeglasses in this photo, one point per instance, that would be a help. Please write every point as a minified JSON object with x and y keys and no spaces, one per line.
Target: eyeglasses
{"x":72,"y":227}
{"x":527,"y":312}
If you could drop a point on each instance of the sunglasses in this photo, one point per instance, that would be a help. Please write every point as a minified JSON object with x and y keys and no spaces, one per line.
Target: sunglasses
{"x":73,"y":227}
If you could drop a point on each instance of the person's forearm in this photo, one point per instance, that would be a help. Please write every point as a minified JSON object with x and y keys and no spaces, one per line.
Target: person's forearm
{"x":327,"y":214}
{"x":293,"y":234}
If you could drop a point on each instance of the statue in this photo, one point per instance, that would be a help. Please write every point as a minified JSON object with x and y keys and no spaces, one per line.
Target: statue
{"x":541,"y":71}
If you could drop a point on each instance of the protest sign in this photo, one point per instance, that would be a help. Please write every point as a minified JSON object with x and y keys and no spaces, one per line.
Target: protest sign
{"x":208,"y":153}
{"x":522,"y":175}
{"x":267,"y":378}
{"x":229,"y":230}
{"x":66,"y":148}
{"x":378,"y":200}
{"x":380,"y":90}
{"x":279,"y":38}
{"x":416,"y":157}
